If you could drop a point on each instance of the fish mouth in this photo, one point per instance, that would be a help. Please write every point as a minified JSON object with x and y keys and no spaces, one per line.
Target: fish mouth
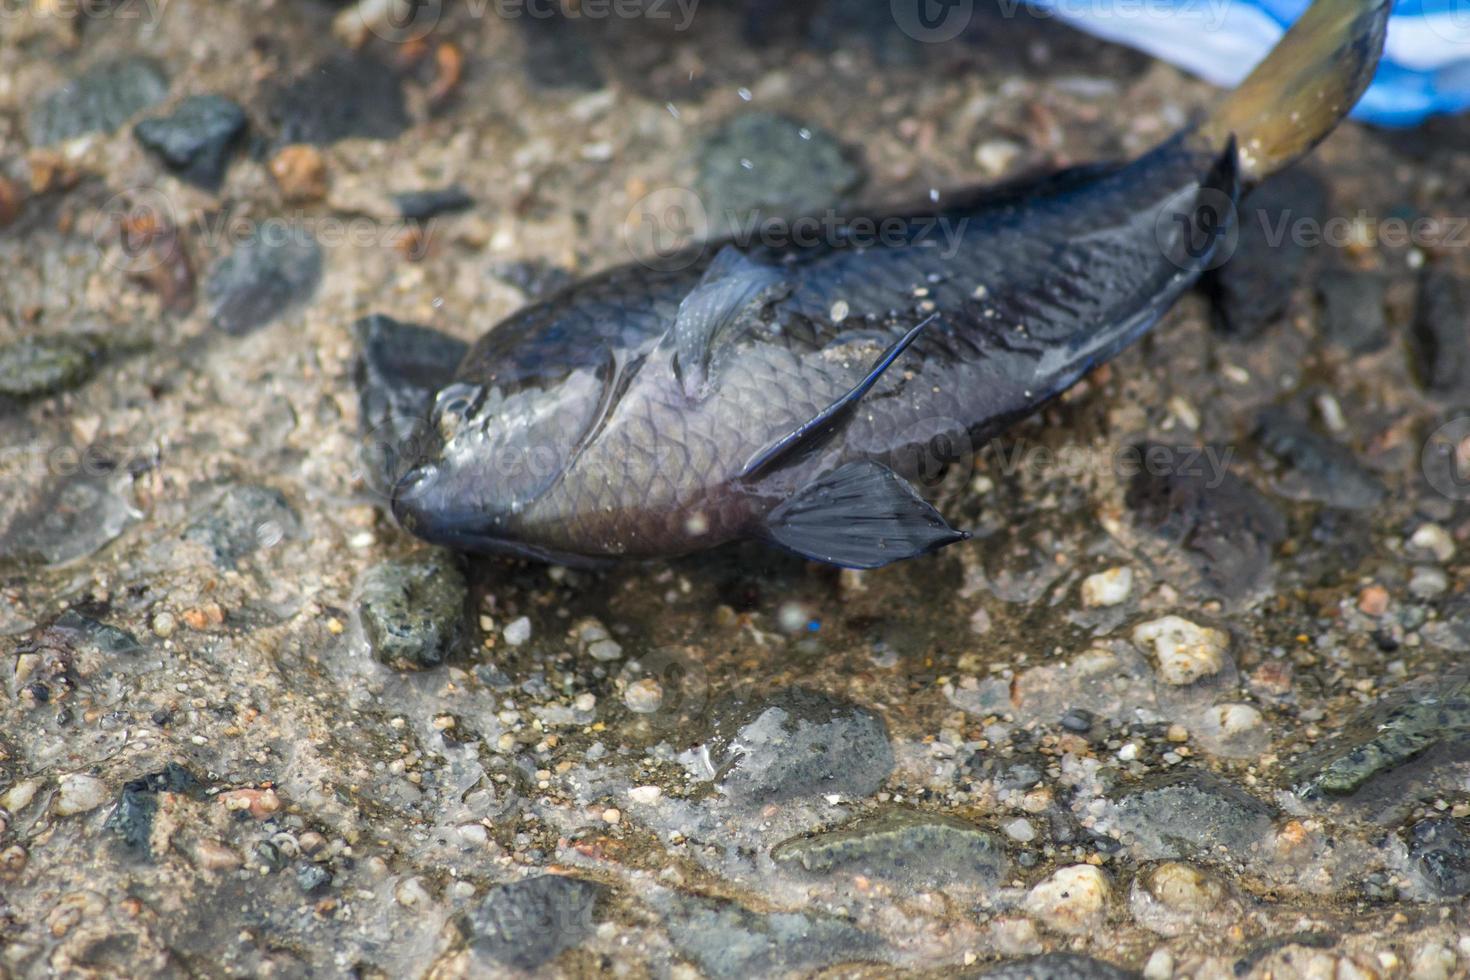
{"x":420,"y":508}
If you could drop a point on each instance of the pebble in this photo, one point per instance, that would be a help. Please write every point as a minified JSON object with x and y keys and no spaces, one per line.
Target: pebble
{"x":1426,"y":582}
{"x":768,"y":163}
{"x":517,"y":631}
{"x":729,"y":941}
{"x":80,"y":793}
{"x":797,"y":743}
{"x":342,"y":97}
{"x":585,"y":701}
{"x":1107,"y":588}
{"x":163,"y":624}
{"x":1192,"y":812}
{"x":1315,"y":467}
{"x":263,"y":278}
{"x":69,"y":517}
{"x":45,"y":364}
{"x":1185,"y":888}
{"x":1185,"y":652}
{"x":1441,"y":331}
{"x":244,"y":519}
{"x":525,"y":924}
{"x":1405,"y":725}
{"x":644,"y":696}
{"x":100,"y":100}
{"x":1373,"y":601}
{"x":413,"y":611}
{"x":300,"y":171}
{"x":1433,"y":541}
{"x":195,"y":141}
{"x":908,"y":847}
{"x":131,"y":820}
{"x":1020,"y":830}
{"x":1073,"y":900}
{"x":645,"y":795}
{"x":1353,"y":308}
{"x":1440,"y":850}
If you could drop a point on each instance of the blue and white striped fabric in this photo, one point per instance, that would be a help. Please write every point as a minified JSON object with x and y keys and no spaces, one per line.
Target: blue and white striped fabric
{"x":1425,"y":68}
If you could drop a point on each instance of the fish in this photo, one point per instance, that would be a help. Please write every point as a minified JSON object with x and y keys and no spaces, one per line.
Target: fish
{"x":789,"y":393}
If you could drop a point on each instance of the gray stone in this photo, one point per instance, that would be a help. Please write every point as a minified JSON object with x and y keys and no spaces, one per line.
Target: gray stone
{"x":263,"y":278}
{"x":69,"y":517}
{"x":1440,"y":850}
{"x":413,"y":612}
{"x":1193,"y":813}
{"x":1055,"y":966}
{"x":906,"y":845}
{"x":37,"y":366}
{"x":1353,"y":309}
{"x":726,"y":939}
{"x":798,"y":743}
{"x":1316,"y":467}
{"x":100,"y":99}
{"x":768,"y":163}
{"x":243,"y":519}
{"x":196,"y":139}
{"x":1441,"y":331}
{"x":342,"y":97}
{"x":527,"y":923}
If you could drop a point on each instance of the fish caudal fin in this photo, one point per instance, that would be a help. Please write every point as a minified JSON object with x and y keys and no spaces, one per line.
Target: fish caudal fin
{"x":1304,"y":87}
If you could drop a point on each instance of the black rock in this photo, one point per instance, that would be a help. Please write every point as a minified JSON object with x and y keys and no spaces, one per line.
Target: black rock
{"x":761,"y":162}
{"x":728,"y":940}
{"x":423,"y":205}
{"x":1228,"y":531}
{"x":527,"y":923}
{"x":399,"y":367}
{"x":1317,"y":468}
{"x":68,"y":517}
{"x":560,"y":53}
{"x":1352,"y":309}
{"x":195,"y":140}
{"x":1078,"y":720}
{"x":99,"y":100}
{"x":99,"y":636}
{"x":312,"y":877}
{"x":131,"y":820}
{"x":1440,"y":849}
{"x":1055,"y":966}
{"x":263,"y":278}
{"x":1442,"y":331}
{"x":1192,"y":813}
{"x":243,"y":519}
{"x":344,"y":97}
{"x":1253,"y":288}
{"x":413,"y":612}
{"x":798,"y":743}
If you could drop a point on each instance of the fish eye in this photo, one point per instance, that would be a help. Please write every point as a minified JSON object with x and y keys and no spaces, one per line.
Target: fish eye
{"x":455,"y":404}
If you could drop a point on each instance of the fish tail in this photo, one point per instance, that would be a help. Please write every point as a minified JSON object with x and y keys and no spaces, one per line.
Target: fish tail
{"x":1303,"y":88}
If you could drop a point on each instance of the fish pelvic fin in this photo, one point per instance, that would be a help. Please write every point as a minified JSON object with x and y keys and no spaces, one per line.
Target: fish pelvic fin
{"x":1304,"y":86}
{"x":860,"y":515}
{"x":710,"y":317}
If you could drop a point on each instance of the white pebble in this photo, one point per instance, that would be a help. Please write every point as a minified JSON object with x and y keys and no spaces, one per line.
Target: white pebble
{"x":1020,"y":830}
{"x":605,"y":650}
{"x":1186,"y":651}
{"x":1433,"y":540}
{"x":1160,"y":965}
{"x":645,"y":794}
{"x":1107,"y":588}
{"x":517,"y":631}
{"x":1073,"y":900}
{"x":644,"y":696}
{"x":79,"y":794}
{"x":585,"y":701}
{"x":1236,"y":719}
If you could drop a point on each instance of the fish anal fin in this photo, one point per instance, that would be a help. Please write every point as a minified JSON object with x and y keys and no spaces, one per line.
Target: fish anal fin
{"x":860,"y":515}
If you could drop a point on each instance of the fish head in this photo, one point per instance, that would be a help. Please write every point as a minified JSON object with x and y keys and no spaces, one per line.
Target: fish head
{"x":487,"y":455}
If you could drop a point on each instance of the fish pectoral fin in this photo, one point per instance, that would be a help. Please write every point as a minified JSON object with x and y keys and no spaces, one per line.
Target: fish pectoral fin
{"x":861,"y":515}
{"x":731,"y":285}
{"x":814,"y":431}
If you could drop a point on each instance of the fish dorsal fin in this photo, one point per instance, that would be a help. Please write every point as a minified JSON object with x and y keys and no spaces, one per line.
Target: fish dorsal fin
{"x":815,"y":430}
{"x":731,"y":286}
{"x":860,"y":515}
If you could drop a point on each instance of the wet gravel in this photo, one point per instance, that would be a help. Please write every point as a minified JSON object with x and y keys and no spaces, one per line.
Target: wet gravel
{"x":1191,"y":703}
